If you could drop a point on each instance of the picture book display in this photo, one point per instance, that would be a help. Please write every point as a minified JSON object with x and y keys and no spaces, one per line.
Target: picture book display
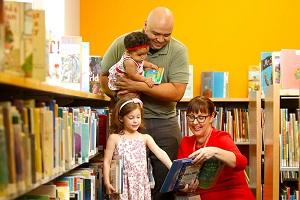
{"x":156,"y":75}
{"x":183,"y":172}
{"x":214,"y":84}
{"x":290,"y":67}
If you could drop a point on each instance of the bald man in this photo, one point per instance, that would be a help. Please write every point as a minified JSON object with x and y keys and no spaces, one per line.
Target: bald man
{"x":159,"y":101}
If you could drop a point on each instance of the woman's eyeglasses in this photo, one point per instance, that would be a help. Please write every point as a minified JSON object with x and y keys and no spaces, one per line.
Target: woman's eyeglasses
{"x":200,"y":118}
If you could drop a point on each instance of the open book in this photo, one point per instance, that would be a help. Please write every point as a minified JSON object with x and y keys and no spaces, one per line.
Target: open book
{"x":156,"y":75}
{"x":183,"y":172}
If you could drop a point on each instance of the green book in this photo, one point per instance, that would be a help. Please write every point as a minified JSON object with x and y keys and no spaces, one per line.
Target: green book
{"x":156,"y":75}
{"x":183,"y":172}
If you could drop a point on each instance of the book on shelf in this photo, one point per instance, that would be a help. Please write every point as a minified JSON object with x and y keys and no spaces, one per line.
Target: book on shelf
{"x":15,"y":16}
{"x":85,"y":69}
{"x":189,"y":91}
{"x":2,"y":37}
{"x":266,"y":70}
{"x":183,"y":172}
{"x":289,"y":67}
{"x":156,"y":75}
{"x":70,"y":69}
{"x":95,"y":64}
{"x":253,"y":78}
{"x":214,"y":84}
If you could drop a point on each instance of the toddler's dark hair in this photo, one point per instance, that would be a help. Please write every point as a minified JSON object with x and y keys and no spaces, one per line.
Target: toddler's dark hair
{"x":135,"y":39}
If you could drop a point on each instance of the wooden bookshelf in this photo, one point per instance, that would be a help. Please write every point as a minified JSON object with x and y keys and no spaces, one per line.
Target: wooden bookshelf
{"x":271,"y":141}
{"x":38,"y":86}
{"x":252,"y":148}
{"x":255,"y":143}
{"x":15,"y":87}
{"x":275,"y":99}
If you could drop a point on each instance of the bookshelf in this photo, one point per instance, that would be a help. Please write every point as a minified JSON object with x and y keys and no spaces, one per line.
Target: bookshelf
{"x":15,"y":87}
{"x":275,"y":100}
{"x":253,"y":147}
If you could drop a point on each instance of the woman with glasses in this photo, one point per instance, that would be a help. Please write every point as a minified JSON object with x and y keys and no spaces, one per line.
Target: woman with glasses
{"x":208,"y":142}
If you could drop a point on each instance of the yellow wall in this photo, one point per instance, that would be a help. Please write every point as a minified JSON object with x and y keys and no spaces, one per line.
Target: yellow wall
{"x":220,"y":35}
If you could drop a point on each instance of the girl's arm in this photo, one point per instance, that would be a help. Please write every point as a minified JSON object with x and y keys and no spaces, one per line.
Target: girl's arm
{"x":130,"y":68}
{"x":108,"y":154}
{"x":131,"y":73}
{"x":150,"y":65}
{"x":158,"y":152}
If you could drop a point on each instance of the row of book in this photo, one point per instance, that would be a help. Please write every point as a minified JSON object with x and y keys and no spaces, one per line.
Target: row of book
{"x":289,"y":191}
{"x":81,"y":183}
{"x":235,"y":121}
{"x":29,"y":49}
{"x":277,"y":67}
{"x":289,"y":136}
{"x":40,"y":139}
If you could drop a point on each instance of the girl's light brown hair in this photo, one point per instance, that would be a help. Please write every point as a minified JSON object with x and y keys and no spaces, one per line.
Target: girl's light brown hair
{"x":117,"y":114}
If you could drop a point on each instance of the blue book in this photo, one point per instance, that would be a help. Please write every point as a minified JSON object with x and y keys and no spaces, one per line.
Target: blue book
{"x":214,"y":84}
{"x":266,"y":70}
{"x":183,"y":172}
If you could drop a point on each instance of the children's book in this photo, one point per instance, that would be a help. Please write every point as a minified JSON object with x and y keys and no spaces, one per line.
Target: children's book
{"x":290,"y":67}
{"x":94,"y":67}
{"x":214,"y":84}
{"x":116,"y":173}
{"x":253,"y":78}
{"x":156,"y":75}
{"x":183,"y":172}
{"x":266,"y":70}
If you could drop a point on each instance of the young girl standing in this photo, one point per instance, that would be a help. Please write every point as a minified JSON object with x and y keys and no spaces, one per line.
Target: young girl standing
{"x":128,"y":142}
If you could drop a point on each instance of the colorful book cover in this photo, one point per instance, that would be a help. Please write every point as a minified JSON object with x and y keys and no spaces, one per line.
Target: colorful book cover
{"x":266,"y":70}
{"x":54,"y":60}
{"x":94,"y":64}
{"x":14,"y":17}
{"x":156,"y":75}
{"x":70,"y":71}
{"x":214,"y":84}
{"x":253,"y":78}
{"x":183,"y":172}
{"x":290,"y":66}
{"x":276,"y":66}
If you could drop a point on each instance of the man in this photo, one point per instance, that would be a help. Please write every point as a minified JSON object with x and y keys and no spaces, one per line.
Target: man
{"x":160,"y":100}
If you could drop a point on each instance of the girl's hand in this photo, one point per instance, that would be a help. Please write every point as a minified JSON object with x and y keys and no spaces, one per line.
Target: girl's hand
{"x":110,"y":189}
{"x":154,"y":67}
{"x":149,"y":82}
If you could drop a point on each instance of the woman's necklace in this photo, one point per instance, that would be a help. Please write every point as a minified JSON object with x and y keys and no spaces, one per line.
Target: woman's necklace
{"x":197,"y":146}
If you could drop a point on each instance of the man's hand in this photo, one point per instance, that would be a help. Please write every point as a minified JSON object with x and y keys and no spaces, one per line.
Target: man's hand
{"x":127,"y":84}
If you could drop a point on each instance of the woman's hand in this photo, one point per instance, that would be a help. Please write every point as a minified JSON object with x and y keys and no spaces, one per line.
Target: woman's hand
{"x":190,"y":188}
{"x":203,"y":154}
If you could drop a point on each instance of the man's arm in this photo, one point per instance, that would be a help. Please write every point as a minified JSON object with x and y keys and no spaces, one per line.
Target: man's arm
{"x":111,"y":56}
{"x":163,"y":91}
{"x":104,"y":85}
